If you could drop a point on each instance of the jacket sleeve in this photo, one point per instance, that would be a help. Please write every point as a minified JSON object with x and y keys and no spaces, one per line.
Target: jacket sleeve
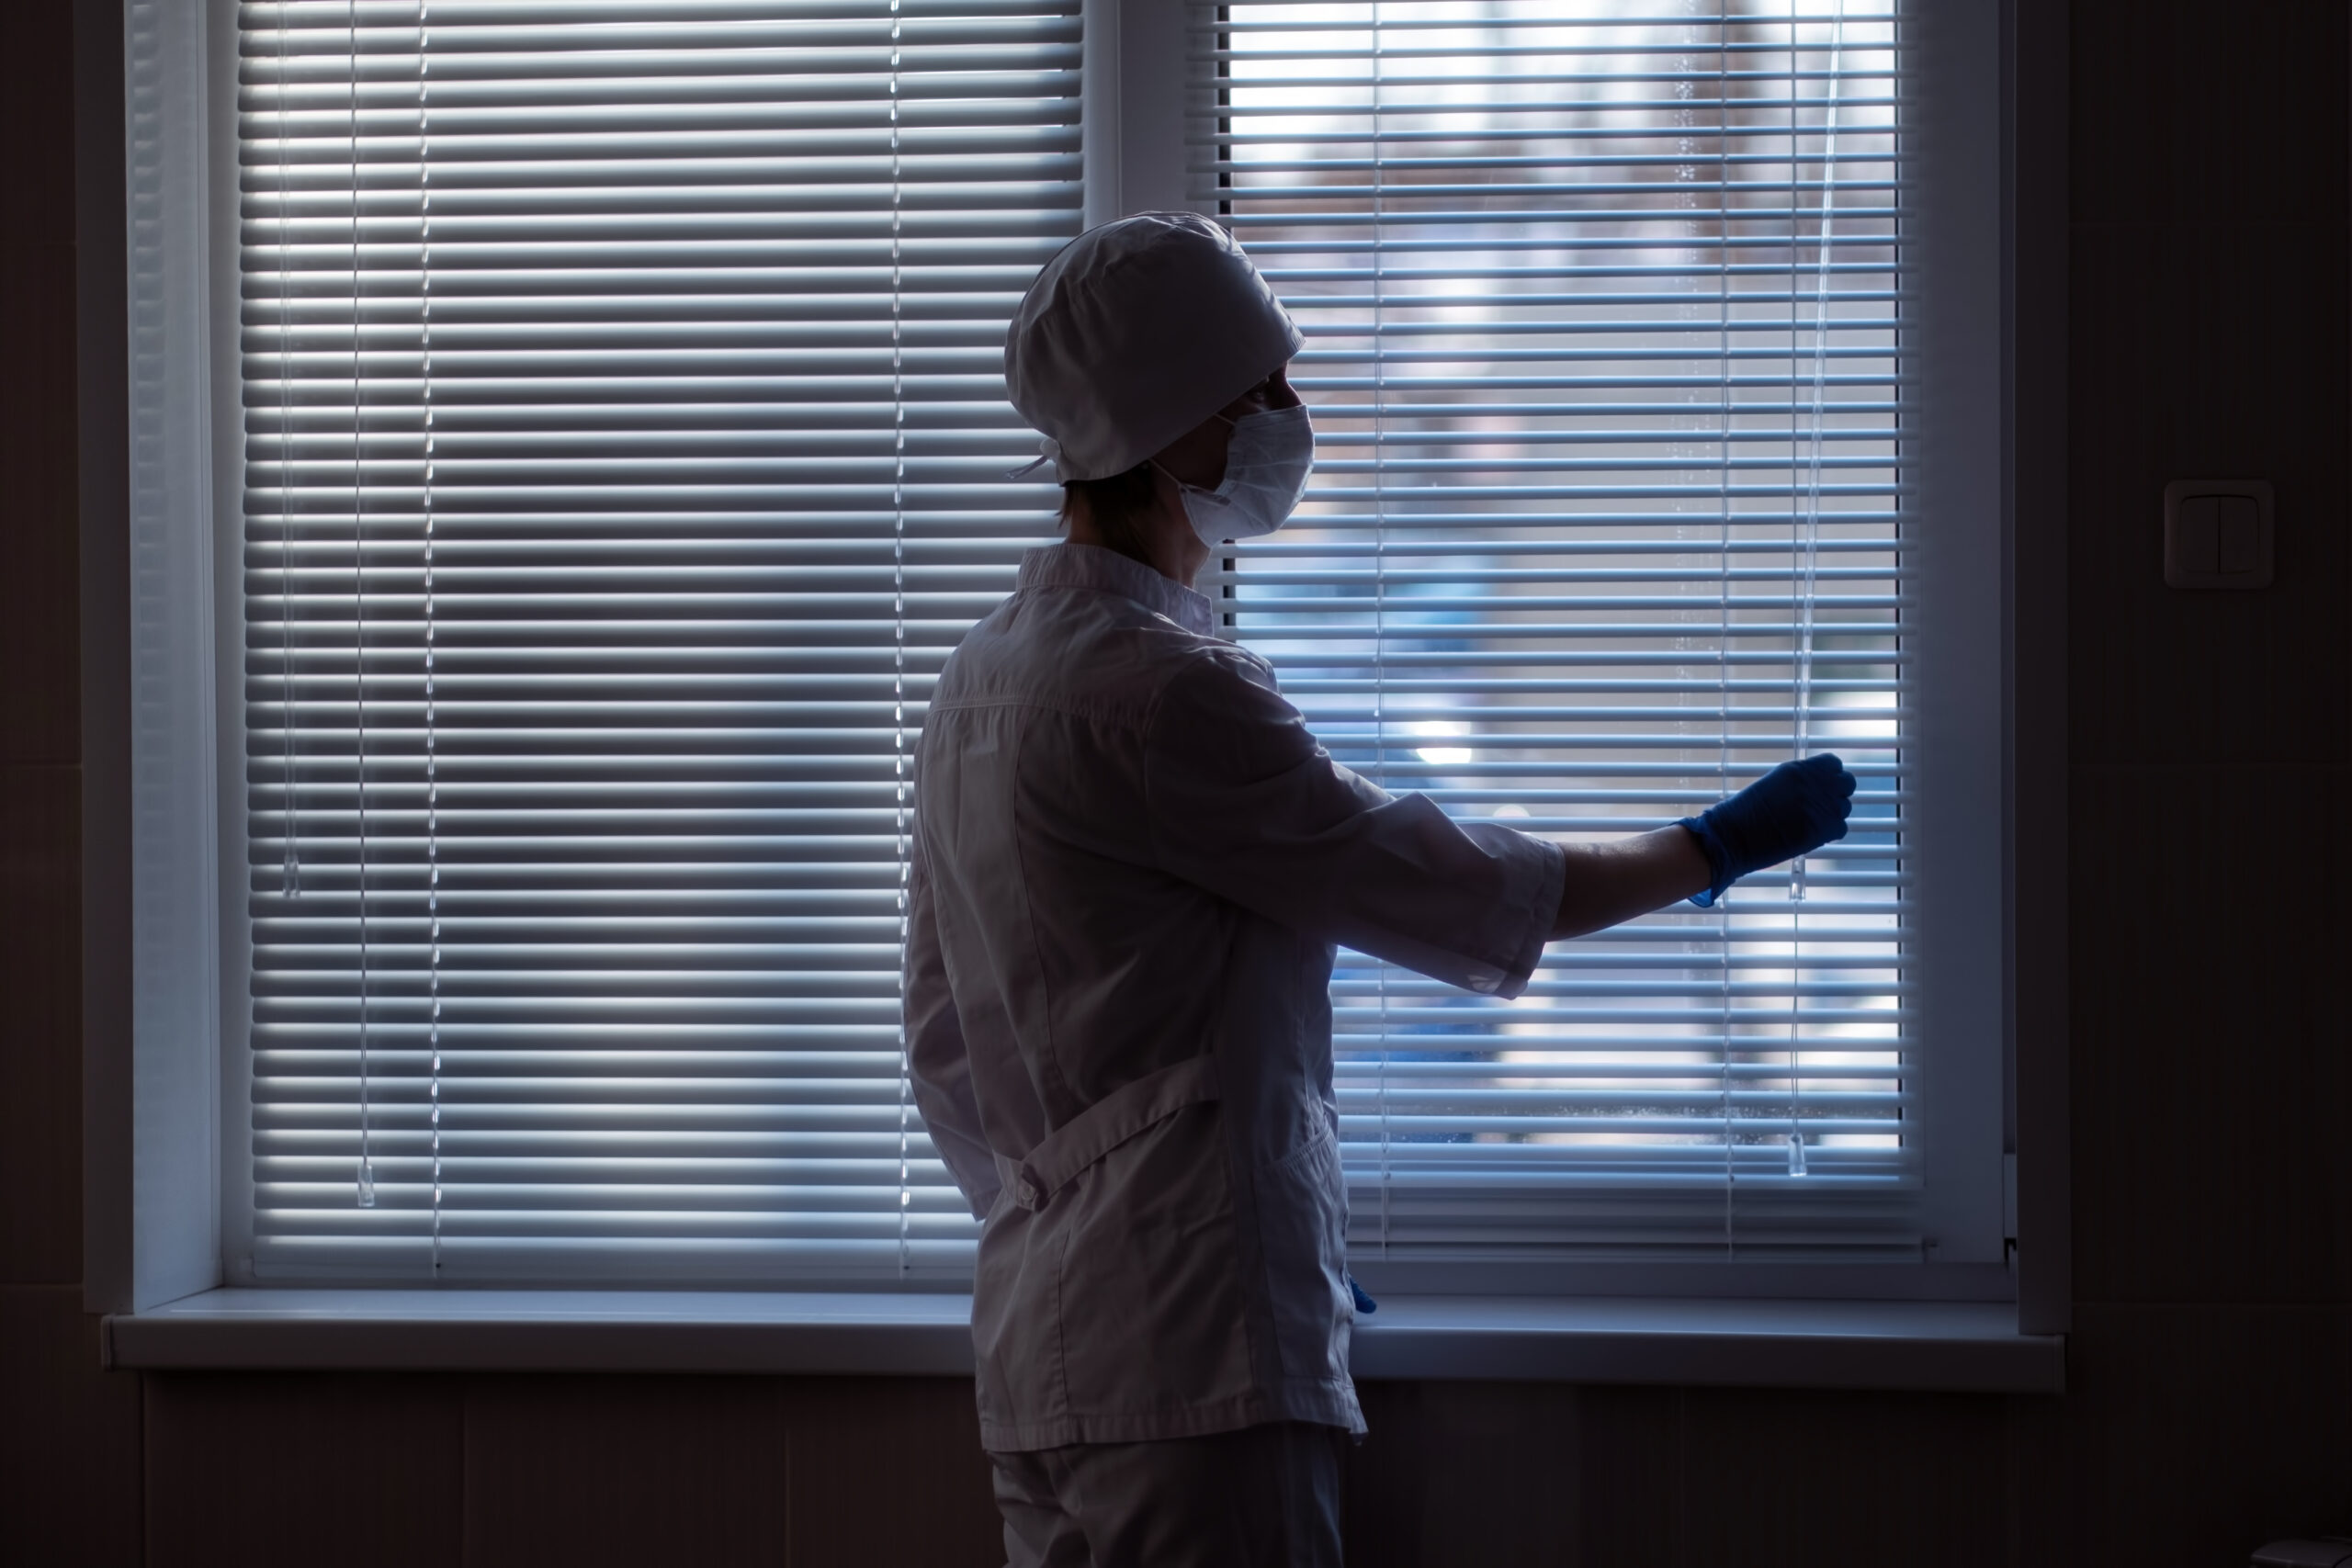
{"x":1242,"y":801}
{"x":937,"y":1063}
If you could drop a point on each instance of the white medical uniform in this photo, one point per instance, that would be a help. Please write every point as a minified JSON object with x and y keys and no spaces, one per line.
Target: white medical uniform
{"x":1131,"y":864}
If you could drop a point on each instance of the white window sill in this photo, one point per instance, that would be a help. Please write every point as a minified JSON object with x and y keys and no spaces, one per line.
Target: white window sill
{"x":1958,"y":1346}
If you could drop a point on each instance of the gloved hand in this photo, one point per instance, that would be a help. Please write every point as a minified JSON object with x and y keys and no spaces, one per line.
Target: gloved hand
{"x":1792,"y":810}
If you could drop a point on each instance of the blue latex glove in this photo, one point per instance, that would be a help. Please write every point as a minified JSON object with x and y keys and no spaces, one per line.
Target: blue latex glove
{"x":1792,"y":810}
{"x":1366,"y":1306}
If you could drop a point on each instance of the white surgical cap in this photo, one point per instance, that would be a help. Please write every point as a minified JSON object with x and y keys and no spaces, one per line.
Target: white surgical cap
{"x":1134,"y":333}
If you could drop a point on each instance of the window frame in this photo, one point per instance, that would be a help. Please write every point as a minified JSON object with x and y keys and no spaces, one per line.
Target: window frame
{"x":169,"y":1200}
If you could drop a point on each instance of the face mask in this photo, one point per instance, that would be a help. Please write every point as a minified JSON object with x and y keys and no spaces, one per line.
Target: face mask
{"x":1266,"y":466}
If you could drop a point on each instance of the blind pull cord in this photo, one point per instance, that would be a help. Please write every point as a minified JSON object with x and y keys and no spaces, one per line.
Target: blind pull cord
{"x":899,"y":759}
{"x":360,"y":603}
{"x":1723,"y":593}
{"x":1809,"y":554}
{"x":431,"y":767}
{"x":290,"y":872}
{"x":1379,"y":560}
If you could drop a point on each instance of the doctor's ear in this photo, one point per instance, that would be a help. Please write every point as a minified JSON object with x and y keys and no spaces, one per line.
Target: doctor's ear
{"x":1197,"y":457}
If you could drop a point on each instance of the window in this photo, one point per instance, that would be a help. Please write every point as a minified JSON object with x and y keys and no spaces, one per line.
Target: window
{"x":625,"y":440}
{"x":1614,"y":329}
{"x":622,"y":442}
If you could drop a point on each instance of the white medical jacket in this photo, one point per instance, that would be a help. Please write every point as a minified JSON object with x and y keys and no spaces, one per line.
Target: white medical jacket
{"x":1131,"y":864}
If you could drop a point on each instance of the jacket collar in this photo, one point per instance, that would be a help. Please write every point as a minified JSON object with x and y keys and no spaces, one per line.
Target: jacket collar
{"x":1090,"y":565}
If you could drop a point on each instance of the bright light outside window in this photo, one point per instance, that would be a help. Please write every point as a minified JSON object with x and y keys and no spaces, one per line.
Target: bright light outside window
{"x":1604,"y":303}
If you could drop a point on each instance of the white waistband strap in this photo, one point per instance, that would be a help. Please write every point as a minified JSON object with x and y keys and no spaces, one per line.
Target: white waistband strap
{"x":1103,"y":1126}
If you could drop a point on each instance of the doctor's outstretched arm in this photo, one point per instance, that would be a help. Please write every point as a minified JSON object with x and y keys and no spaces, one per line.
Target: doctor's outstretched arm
{"x":1792,"y":810}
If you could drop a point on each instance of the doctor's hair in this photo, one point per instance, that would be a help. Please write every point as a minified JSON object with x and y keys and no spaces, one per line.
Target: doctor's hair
{"x":1117,"y":506}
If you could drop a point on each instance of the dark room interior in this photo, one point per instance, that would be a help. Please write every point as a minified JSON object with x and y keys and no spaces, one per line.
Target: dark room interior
{"x":2179,"y":305}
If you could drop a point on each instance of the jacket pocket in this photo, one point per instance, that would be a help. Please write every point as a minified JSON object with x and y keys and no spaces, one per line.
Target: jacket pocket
{"x":1151,"y":1298}
{"x":1302,"y":1224}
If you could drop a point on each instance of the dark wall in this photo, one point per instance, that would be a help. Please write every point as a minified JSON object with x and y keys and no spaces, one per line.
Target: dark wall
{"x":2211,"y":1069}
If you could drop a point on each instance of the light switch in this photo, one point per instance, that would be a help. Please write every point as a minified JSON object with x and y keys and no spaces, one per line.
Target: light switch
{"x":2218,"y":534}
{"x":2197,"y":545}
{"x":2241,"y":534}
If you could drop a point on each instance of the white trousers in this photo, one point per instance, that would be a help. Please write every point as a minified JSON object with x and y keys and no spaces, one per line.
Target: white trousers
{"x":1261,"y":1497}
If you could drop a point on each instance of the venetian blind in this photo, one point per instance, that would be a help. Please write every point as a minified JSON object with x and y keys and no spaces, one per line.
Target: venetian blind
{"x":1604,"y":304}
{"x":623,"y":443}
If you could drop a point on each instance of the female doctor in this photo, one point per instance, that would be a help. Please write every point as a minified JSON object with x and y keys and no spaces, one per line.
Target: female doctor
{"x":1131,"y":865}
